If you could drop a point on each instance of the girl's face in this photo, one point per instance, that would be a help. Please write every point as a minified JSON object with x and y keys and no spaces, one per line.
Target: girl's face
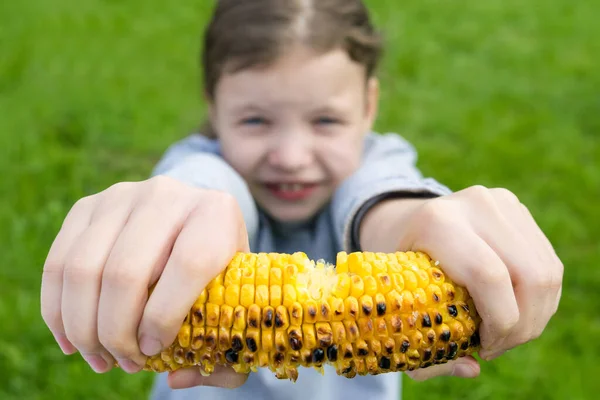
{"x":295,"y":130}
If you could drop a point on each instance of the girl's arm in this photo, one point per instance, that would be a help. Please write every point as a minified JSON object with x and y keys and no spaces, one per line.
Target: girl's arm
{"x":486,"y":240}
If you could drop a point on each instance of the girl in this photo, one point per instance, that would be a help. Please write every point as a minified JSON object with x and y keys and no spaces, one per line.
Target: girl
{"x":288,"y":163}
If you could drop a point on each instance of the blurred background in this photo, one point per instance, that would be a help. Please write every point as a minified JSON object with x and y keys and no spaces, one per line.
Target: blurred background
{"x":498,"y":92}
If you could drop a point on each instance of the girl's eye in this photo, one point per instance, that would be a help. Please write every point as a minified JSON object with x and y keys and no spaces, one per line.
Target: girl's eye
{"x":253,"y":121}
{"x":325,"y":121}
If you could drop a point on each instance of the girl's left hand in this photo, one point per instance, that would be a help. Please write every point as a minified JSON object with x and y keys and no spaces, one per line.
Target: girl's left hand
{"x":487,"y":241}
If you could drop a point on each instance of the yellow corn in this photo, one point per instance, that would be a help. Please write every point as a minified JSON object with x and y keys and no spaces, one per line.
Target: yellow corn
{"x":373,"y":313}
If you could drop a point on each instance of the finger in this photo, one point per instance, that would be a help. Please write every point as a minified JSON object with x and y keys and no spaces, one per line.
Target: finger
{"x":554,"y":264}
{"x":140,"y":252}
{"x":82,"y":280}
{"x":75,"y":223}
{"x":464,"y":367}
{"x":206,"y":244}
{"x":223,"y":377}
{"x":530,"y":267}
{"x":470,"y":262}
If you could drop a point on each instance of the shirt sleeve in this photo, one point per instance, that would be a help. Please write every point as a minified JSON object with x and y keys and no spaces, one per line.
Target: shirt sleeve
{"x":388,"y":170}
{"x":197,"y":161}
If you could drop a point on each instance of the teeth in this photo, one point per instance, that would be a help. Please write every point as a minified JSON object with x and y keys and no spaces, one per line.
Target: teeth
{"x":290,"y":187}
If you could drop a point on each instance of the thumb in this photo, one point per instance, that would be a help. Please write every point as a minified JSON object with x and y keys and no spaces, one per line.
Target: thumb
{"x":464,"y":367}
{"x":223,"y":377}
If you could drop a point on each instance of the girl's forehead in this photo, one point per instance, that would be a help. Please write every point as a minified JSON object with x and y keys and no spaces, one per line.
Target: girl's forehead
{"x":296,"y":77}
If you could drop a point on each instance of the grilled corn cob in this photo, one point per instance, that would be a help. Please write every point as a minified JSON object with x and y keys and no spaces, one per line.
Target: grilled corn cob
{"x":371,"y":313}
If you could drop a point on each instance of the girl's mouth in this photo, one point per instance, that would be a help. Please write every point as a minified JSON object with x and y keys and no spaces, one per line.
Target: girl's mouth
{"x":291,"y":191}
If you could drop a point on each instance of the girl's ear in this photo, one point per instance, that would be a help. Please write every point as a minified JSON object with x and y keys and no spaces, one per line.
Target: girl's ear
{"x":372,"y":103}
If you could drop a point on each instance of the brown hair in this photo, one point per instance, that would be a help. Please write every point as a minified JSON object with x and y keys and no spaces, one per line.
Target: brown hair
{"x":251,"y":33}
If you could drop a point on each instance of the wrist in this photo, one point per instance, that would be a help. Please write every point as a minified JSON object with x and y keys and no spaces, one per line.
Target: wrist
{"x":382,"y":227}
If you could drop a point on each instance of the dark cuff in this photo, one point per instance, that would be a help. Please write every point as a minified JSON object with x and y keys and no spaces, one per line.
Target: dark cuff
{"x":362,"y":211}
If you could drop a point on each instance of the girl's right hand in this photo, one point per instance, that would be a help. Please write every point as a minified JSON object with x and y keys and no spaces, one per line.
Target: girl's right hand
{"x":113,"y":246}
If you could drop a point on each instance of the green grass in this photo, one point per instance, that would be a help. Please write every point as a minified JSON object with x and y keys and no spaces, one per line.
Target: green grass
{"x":500,"y":93}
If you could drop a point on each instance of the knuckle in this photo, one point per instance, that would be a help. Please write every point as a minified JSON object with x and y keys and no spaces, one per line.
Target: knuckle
{"x":434,"y":212}
{"x":490,"y":276}
{"x":83,"y":338}
{"x":51,"y":317}
{"x":114,"y":343}
{"x":77,"y":272}
{"x":116,"y":275}
{"x":156,"y":320}
{"x":119,"y":189}
{"x":479,"y":192}
{"x":83,"y":204}
{"x":506,"y":195}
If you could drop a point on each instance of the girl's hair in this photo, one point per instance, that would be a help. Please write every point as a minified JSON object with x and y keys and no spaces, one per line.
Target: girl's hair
{"x":253,"y":33}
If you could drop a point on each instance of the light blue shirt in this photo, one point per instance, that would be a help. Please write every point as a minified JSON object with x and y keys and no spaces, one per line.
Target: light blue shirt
{"x":388,"y":168}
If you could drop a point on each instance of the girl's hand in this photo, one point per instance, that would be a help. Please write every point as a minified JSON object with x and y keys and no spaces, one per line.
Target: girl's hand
{"x":116,"y":244}
{"x":487,"y":241}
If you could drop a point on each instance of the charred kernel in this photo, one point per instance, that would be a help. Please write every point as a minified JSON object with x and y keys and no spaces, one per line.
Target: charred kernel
{"x":400,"y":366}
{"x":404,"y":347}
{"x":278,"y":320}
{"x":268,"y":317}
{"x":445,"y":335}
{"x":325,"y":311}
{"x":248,"y":358}
{"x":381,"y":309}
{"x":236,"y":344}
{"x":426,"y":321}
{"x":308,"y":358}
{"x":426,"y":354}
{"x":312,"y":311}
{"x":389,"y":346}
{"x":452,"y":349}
{"x":436,"y":298}
{"x":198,"y":318}
{"x":189,"y":356}
{"x":348,"y":354}
{"x":465,"y":307}
{"x":440,"y":353}
{"x":210,"y":339}
{"x":332,"y":353}
{"x":251,"y":343}
{"x":452,"y":310}
{"x":384,"y":363}
{"x":426,"y":364}
{"x":318,"y":355}
{"x":347,"y":370}
{"x":396,"y":323}
{"x":295,"y":344}
{"x":474,"y":341}
{"x":295,"y":340}
{"x":431,"y":336}
{"x":438,"y":318}
{"x":464,"y":345}
{"x":367,"y":309}
{"x":278,"y":358}
{"x":362,"y":351}
{"x":231,"y":356}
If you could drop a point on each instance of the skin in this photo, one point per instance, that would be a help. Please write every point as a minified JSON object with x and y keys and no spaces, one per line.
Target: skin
{"x":111,"y":247}
{"x":295,"y":121}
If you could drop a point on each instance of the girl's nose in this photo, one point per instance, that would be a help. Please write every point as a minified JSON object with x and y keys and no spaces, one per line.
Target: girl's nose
{"x":291,"y":153}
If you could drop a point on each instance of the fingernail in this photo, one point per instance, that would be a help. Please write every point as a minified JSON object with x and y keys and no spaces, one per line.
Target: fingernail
{"x":64,"y":344}
{"x":491,"y":356}
{"x":128,"y":365}
{"x":97,"y":363}
{"x":464,"y":371}
{"x":150,"y":346}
